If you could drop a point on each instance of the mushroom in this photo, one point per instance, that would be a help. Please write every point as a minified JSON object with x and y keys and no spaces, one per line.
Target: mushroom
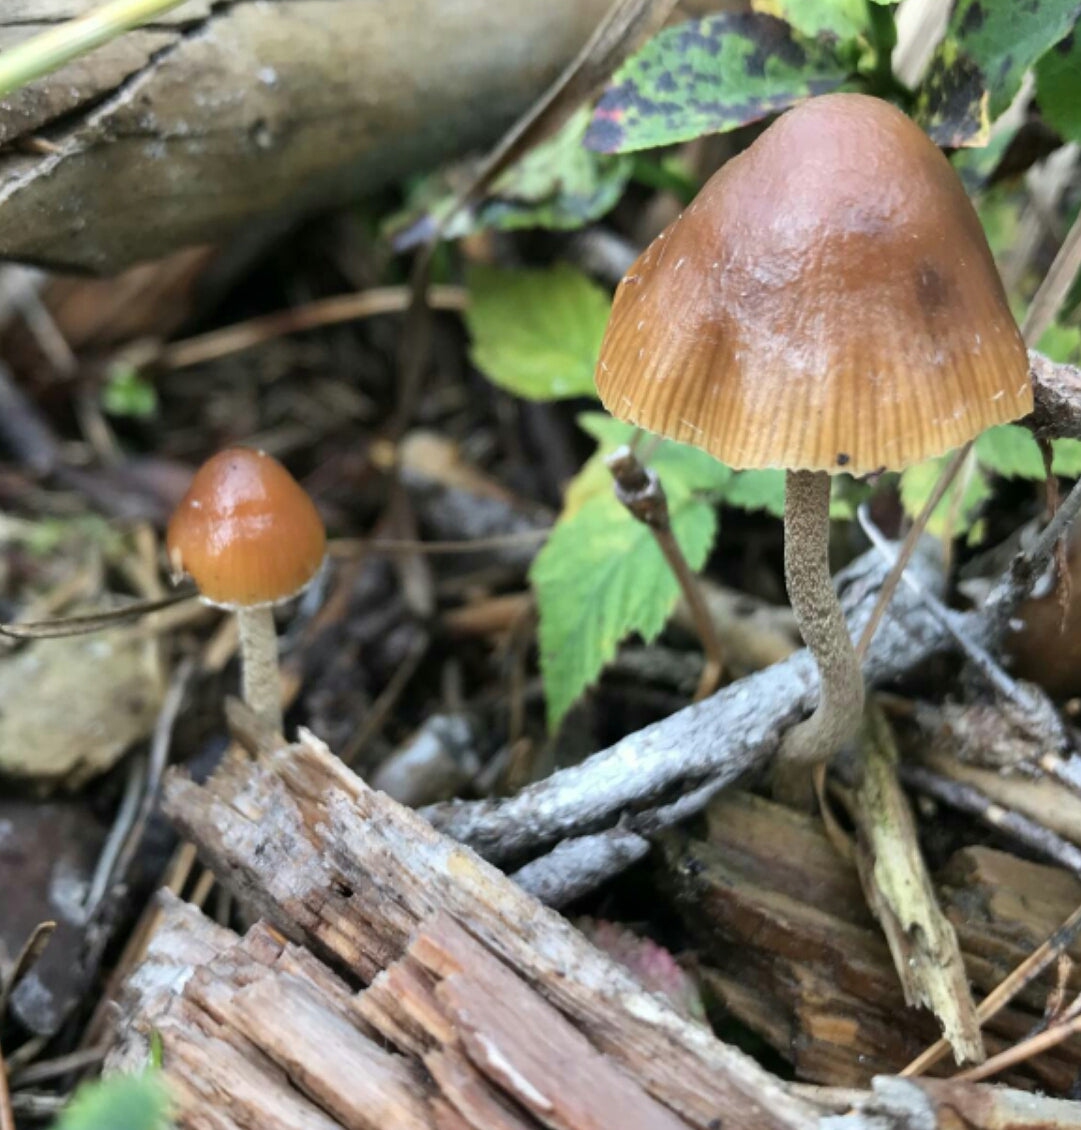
{"x":827,"y":303}
{"x":250,"y":538}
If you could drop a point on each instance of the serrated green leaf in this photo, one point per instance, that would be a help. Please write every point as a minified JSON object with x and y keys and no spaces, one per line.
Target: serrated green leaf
{"x":600,"y":577}
{"x":536,"y":334}
{"x":1010,"y":451}
{"x":710,"y":75}
{"x":558,"y":185}
{"x":977,"y":69}
{"x":1061,"y":343}
{"x":1058,"y":86}
{"x":121,"y":1102}
{"x":919,"y":481}
{"x":1066,"y":458}
{"x":683,"y":469}
{"x":757,"y":490}
{"x":844,"y":19}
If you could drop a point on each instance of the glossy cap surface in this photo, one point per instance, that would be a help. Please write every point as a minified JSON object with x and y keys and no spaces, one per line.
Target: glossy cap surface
{"x":827,"y":302}
{"x":246,"y":532}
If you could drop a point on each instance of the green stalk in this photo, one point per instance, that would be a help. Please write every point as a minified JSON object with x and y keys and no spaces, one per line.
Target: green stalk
{"x":50,"y":50}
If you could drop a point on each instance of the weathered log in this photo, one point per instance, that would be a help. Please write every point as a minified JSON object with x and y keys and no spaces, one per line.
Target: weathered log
{"x":353,"y":875}
{"x":179,"y":132}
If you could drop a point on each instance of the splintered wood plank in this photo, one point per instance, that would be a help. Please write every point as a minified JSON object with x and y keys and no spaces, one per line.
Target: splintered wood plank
{"x":352,"y":875}
{"x":523,"y":1044}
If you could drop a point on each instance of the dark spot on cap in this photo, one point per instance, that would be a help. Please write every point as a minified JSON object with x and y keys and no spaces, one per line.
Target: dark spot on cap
{"x":932,"y":290}
{"x":666,"y":83}
{"x":843,"y":458}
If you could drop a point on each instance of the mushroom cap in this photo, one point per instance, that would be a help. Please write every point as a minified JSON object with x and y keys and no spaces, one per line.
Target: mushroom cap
{"x":827,"y":302}
{"x":246,"y":531}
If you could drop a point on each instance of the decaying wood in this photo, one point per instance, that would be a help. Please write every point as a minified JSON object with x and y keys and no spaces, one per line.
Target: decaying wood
{"x":469,"y":1012}
{"x":898,"y":890}
{"x":178,"y":133}
{"x":246,"y":1025}
{"x":352,"y":875}
{"x":791,"y":949}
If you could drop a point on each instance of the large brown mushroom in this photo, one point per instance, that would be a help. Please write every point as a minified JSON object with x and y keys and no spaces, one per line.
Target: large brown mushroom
{"x":827,"y":303}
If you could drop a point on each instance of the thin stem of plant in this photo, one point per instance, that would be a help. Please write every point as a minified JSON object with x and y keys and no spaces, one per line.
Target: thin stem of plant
{"x":7,"y":1116}
{"x":642,"y":493}
{"x":324,"y":312}
{"x":47,"y":52}
{"x":1019,"y":1053}
{"x":908,"y":547}
{"x":1055,"y":286}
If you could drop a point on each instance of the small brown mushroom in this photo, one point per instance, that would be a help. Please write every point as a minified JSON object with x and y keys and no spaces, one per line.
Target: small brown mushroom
{"x":250,"y":538}
{"x":827,"y":303}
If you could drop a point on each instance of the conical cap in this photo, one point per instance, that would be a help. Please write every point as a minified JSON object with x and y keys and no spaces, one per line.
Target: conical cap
{"x":246,"y":531}
{"x":827,"y":302}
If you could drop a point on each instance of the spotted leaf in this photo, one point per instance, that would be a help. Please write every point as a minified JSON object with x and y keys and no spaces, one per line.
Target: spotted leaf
{"x":712,"y":75}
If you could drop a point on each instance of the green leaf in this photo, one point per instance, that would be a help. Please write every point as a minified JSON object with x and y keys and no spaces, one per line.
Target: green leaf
{"x":1061,"y":343}
{"x":977,"y":69}
{"x":757,"y":490}
{"x":536,"y":334}
{"x":127,"y":393}
{"x":1058,"y":86}
{"x":1066,"y":460}
{"x":683,"y":469}
{"x":120,"y":1102}
{"x":600,"y":577}
{"x":558,"y":185}
{"x":919,"y":481}
{"x":1010,"y":451}
{"x":710,"y":75}
{"x":844,"y":19}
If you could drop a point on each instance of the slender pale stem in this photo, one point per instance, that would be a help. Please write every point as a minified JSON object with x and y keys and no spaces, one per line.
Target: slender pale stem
{"x":820,"y":620}
{"x":259,"y":663}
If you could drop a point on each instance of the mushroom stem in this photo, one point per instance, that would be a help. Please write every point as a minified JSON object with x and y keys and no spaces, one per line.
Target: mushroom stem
{"x":259,"y":663}
{"x":820,"y":620}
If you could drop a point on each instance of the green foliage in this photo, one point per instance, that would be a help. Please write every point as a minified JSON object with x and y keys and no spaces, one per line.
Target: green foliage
{"x":121,"y":1102}
{"x":709,"y":75}
{"x":978,"y":67}
{"x":1011,"y":452}
{"x":1061,"y":343}
{"x":601,"y":576}
{"x":127,"y":393}
{"x":536,"y":333}
{"x":757,"y":490}
{"x":558,"y":185}
{"x":844,"y":19}
{"x":958,"y":510}
{"x":1058,"y":86}
{"x":1008,"y":451}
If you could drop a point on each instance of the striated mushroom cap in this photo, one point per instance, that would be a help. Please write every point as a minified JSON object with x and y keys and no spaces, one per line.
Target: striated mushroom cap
{"x":246,"y":531}
{"x":827,"y":302}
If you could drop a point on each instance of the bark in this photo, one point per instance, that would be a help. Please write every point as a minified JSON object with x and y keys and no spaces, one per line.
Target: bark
{"x":791,"y":949}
